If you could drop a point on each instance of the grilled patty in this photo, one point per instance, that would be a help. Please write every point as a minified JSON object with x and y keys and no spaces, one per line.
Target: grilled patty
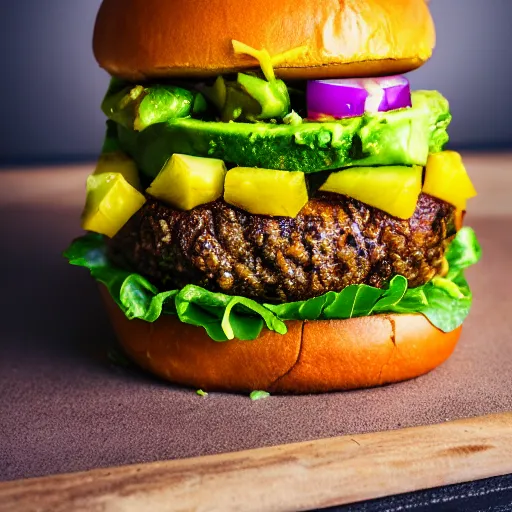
{"x":334,"y":242}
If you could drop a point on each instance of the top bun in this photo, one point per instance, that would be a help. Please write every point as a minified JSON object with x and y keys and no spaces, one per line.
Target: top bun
{"x":146,"y":39}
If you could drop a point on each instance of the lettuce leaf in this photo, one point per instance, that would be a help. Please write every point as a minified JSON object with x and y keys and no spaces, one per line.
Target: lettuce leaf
{"x":444,"y":301}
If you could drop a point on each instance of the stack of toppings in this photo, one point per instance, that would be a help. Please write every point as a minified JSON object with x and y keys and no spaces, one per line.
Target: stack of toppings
{"x":240,"y":202}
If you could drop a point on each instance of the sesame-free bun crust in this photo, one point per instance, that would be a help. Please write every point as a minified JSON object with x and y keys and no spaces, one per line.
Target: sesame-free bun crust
{"x":147,"y":39}
{"x":312,"y":357}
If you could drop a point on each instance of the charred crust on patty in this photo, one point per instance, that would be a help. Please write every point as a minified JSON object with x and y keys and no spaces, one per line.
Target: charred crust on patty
{"x":334,"y":242}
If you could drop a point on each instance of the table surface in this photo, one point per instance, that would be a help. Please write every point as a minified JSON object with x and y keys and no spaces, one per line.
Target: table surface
{"x":67,"y":407}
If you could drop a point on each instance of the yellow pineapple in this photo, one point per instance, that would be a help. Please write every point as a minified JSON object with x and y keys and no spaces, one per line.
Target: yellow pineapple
{"x":266,"y":191}
{"x":111,"y":201}
{"x":393,"y":189}
{"x":188,"y":181}
{"x":446,"y":178}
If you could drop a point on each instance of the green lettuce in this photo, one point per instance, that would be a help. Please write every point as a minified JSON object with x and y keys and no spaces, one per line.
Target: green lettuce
{"x":258,"y":395}
{"x":444,"y":301}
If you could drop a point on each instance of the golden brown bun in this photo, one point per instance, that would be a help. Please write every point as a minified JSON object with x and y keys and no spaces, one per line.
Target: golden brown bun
{"x":139,"y":39}
{"x":312,"y":357}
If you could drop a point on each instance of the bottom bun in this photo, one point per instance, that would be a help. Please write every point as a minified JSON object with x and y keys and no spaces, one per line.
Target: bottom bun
{"x":315,"y":356}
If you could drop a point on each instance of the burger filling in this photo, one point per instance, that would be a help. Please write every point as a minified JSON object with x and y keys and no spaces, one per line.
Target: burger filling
{"x":244,"y":202}
{"x":334,"y":242}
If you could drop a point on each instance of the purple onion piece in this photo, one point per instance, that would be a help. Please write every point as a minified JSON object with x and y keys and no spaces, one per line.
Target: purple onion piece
{"x":342,"y":98}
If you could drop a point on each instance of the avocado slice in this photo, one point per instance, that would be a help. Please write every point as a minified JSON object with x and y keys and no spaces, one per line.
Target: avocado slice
{"x":400,"y":137}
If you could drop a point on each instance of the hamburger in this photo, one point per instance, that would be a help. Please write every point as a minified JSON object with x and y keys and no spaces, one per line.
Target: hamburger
{"x":273,"y":208}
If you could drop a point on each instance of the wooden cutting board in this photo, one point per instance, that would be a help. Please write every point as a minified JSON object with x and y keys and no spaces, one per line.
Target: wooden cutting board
{"x":301,"y":476}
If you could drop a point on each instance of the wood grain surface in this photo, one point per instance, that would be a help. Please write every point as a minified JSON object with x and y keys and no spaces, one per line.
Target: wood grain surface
{"x":300,"y":476}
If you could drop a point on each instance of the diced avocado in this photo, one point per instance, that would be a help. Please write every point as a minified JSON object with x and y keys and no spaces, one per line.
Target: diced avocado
{"x":216,"y":93}
{"x":199,"y":105}
{"x":119,"y":162}
{"x":292,"y":118}
{"x":250,"y":98}
{"x":446,"y":178}
{"x":188,"y":181}
{"x":111,"y":201}
{"x":238,"y":105}
{"x":137,"y":107}
{"x":393,"y":189}
{"x":272,"y":96}
{"x":401,"y":137}
{"x":120,"y":105}
{"x":266,"y":191}
{"x":164,"y":103}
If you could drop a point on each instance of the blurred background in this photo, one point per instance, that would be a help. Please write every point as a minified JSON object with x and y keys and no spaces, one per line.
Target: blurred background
{"x":51,"y":87}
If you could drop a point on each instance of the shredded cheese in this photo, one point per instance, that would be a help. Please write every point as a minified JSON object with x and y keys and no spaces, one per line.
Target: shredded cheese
{"x":262,"y":56}
{"x":267,"y":62}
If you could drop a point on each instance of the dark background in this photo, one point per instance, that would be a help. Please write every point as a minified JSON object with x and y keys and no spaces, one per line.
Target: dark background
{"x":51,"y":87}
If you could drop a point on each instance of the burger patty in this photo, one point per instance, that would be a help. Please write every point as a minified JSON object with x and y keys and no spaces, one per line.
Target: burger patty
{"x":334,"y":242}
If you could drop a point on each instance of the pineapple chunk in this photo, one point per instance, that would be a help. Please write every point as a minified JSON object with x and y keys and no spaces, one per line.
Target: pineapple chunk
{"x":446,"y":178}
{"x":266,"y":191}
{"x":188,"y":181}
{"x":118,"y":162}
{"x":111,"y":201}
{"x":459,"y":219}
{"x":393,"y":189}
